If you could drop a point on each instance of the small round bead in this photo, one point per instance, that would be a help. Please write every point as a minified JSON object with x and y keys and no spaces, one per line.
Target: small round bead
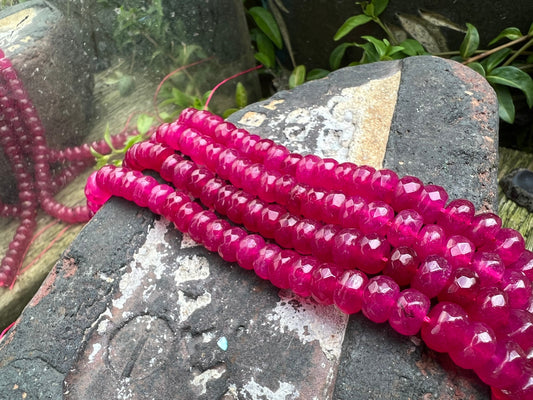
{"x":483,"y":228}
{"x":304,"y":234}
{"x":432,"y":200}
{"x":376,"y":217}
{"x":488,"y":266}
{"x":231,"y":239}
{"x":264,"y":260}
{"x":213,"y":234}
{"x":402,"y":265}
{"x":407,"y":193}
{"x":505,"y":367}
{"x":457,"y":215}
{"x":404,"y":228}
{"x":345,"y":246}
{"x":248,"y":250}
{"x":517,"y":286}
{"x":491,"y":306}
{"x":463,"y":287}
{"x":409,"y":312}
{"x":432,"y":275}
{"x":307,"y":169}
{"x":348,"y":295}
{"x":324,"y":282}
{"x":270,"y":216}
{"x":478,"y":346}
{"x":280,"y":268}
{"x":301,"y":275}
{"x":431,"y":241}
{"x":443,"y":329}
{"x":383,"y":184}
{"x":322,"y":246}
{"x":459,"y":251}
{"x":379,"y":298}
{"x":372,"y":252}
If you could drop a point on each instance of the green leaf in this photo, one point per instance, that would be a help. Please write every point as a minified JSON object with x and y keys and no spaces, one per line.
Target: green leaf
{"x":297,"y":76}
{"x":144,"y":122}
{"x":506,"y":108}
{"x":370,"y":53}
{"x":241,"y":96}
{"x":508,"y":33}
{"x":495,"y":59}
{"x":379,"y":6}
{"x":317,"y":73}
{"x":380,"y":45}
{"x":264,"y":59}
{"x":530,"y":31}
{"x":513,"y":77}
{"x":266,"y":22}
{"x":470,"y":42}
{"x":266,"y":47}
{"x":477,"y":67}
{"x":412,"y":47}
{"x":133,"y":140}
{"x":368,"y":9}
{"x":337,"y":54}
{"x":350,"y":24}
{"x":228,"y":112}
{"x":94,"y":153}
{"x":107,"y":138}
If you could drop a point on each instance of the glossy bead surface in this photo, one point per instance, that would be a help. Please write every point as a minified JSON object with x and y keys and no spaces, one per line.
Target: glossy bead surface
{"x":524,"y":264}
{"x":324,"y":242}
{"x":304,"y":234}
{"x":407,"y":193}
{"x":307,"y":169}
{"x":248,"y":250}
{"x":324,"y":282}
{"x":213,"y":234}
{"x":443,"y":330}
{"x":402,"y":265}
{"x":483,"y":228}
{"x":409,"y":312}
{"x":348,"y":295}
{"x":301,"y":275}
{"x":379,"y":298}
{"x":517,"y":286}
{"x":478,"y":346}
{"x":505,"y":367}
{"x":491,"y":307}
{"x":508,"y":243}
{"x":264,"y":260}
{"x":405,"y":227}
{"x":344,"y":249}
{"x":230,"y":243}
{"x":488,"y":266}
{"x":383,"y":184}
{"x":372,"y":253}
{"x":280,"y":268}
{"x":463,"y":287}
{"x":431,"y":241}
{"x":459,"y":251}
{"x":432,"y":276}
{"x":376,"y":216}
{"x":432,"y":199}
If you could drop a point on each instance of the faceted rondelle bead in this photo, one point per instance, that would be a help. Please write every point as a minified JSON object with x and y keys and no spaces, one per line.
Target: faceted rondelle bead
{"x":307,"y":169}
{"x":348,"y":295}
{"x":270,"y":216}
{"x":463,"y":287}
{"x":432,"y":200}
{"x":379,"y":298}
{"x":313,"y":204}
{"x":324,"y":242}
{"x":212,"y":152}
{"x":344,"y":249}
{"x":304,"y":234}
{"x":251,"y":181}
{"x":376,"y":216}
{"x":459,"y":251}
{"x":288,"y":165}
{"x":519,"y":328}
{"x":283,"y":187}
{"x":248,"y":250}
{"x":260,"y":150}
{"x":444,"y":327}
{"x":402,"y":265}
{"x":247,"y":144}
{"x":332,"y":207}
{"x":225,"y":162}
{"x":431,"y":240}
{"x":237,"y":207}
{"x":432,"y":276}
{"x":223,"y":200}
{"x":253,"y":214}
{"x":199,"y":223}
{"x":457,"y":216}
{"x":157,"y":198}
{"x":209,"y":193}
{"x":372,"y":253}
{"x":351,"y":212}
{"x":407,"y":193}
{"x":197,"y":180}
{"x":237,"y":171}
{"x":383,"y":184}
{"x":264,"y":260}
{"x":297,"y":195}
{"x":280,"y":268}
{"x":478,"y":346}
{"x":517,"y":286}
{"x":524,"y":264}
{"x":508,"y":243}
{"x":213,"y":234}
{"x":275,"y":156}
{"x":491,"y":307}
{"x":326,"y":172}
{"x":267,"y":187}
{"x":404,"y":229}
{"x":184,"y":215}
{"x":488,"y":266}
{"x":284,"y":233}
{"x":409,"y":312}
{"x":324,"y":282}
{"x":231,"y":239}
{"x":505,"y":367}
{"x":362,"y":179}
{"x":343,"y":178}
{"x":483,"y":228}
{"x":301,"y":275}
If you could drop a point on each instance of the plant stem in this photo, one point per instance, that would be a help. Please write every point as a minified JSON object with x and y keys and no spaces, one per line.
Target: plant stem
{"x":494,"y":50}
{"x":518,"y":52}
{"x":387,"y":31}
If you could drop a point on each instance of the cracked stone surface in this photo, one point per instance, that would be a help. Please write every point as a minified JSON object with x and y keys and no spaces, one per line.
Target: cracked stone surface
{"x":137,"y":310}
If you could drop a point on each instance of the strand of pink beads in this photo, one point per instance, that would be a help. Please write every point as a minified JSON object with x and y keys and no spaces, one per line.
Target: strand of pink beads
{"x":23,"y":142}
{"x":315,"y":238}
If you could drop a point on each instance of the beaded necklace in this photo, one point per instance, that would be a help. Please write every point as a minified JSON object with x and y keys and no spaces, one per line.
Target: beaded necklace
{"x":359,"y":238}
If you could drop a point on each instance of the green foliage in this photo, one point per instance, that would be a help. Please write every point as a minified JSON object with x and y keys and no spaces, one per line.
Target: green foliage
{"x":470,"y":42}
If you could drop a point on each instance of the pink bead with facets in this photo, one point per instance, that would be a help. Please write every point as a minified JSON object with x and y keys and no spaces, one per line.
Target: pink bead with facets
{"x":197,"y":181}
{"x":270,"y":216}
{"x":372,"y":253}
{"x":313,"y":204}
{"x":344,"y":178}
{"x":505,"y":367}
{"x":491,"y":306}
{"x":478,"y":346}
{"x":289,"y":164}
{"x":459,"y":251}
{"x":251,"y":180}
{"x":237,"y":206}
{"x":362,"y":179}
{"x":304,"y":234}
{"x":260,"y":150}
{"x":431,"y":240}
{"x":432,"y":276}
{"x":157,"y":198}
{"x":379,"y":298}
{"x":252,"y":216}
{"x":457,"y":216}
{"x":213,"y":235}
{"x":280,"y":268}
{"x":463,"y":287}
{"x":348,"y":295}
{"x":376,"y":216}
{"x":351,"y":212}
{"x":209,"y":193}
{"x":223,"y":199}
{"x":322,"y":246}
{"x":264,"y":260}
{"x":275,"y":156}
{"x":184,"y":215}
{"x":519,"y":329}
{"x":333,"y":204}
{"x":284,"y":233}
{"x":409,"y":312}
{"x":407,"y":193}
{"x":231,"y":239}
{"x":142,"y":189}
{"x":443,"y":329}
{"x":404,"y":228}
{"x":326,"y":172}
{"x":508,"y":243}
{"x":383,"y":184}
{"x":267,"y":187}
{"x":301,"y":275}
{"x":488,"y":266}
{"x":344,"y":248}
{"x":199,"y":223}
{"x":524,"y":264}
{"x":307,"y":169}
{"x":297,"y":196}
{"x":248,"y":250}
{"x":433,"y":198}
{"x":517,"y":286}
{"x":324,"y":283}
{"x":402,"y":265}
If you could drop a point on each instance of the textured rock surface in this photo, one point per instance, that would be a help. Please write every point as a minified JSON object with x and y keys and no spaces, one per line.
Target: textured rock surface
{"x":160,"y":315}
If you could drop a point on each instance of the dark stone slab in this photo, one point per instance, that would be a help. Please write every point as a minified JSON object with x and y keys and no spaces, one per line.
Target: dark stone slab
{"x":161,"y":315}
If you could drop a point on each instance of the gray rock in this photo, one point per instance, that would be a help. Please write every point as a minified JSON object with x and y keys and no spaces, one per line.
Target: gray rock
{"x":161,"y":317}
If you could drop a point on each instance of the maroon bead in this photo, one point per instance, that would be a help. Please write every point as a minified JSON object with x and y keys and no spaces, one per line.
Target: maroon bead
{"x":409,"y":312}
{"x":324,"y":282}
{"x":407,"y":193}
{"x":402,"y":265}
{"x":348,"y":295}
{"x":301,"y":275}
{"x":280,"y":268}
{"x":379,"y":298}
{"x":248,"y":250}
{"x":265,"y":259}
{"x":444,"y":327}
{"x":231,"y":239}
{"x":432,"y":276}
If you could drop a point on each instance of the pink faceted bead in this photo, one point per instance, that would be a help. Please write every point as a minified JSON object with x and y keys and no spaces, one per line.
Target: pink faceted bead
{"x":158,"y":198}
{"x":168,"y":167}
{"x":213,"y":234}
{"x":199,"y":223}
{"x":231,"y":239}
{"x":260,"y":149}
{"x":284,"y":233}
{"x":270,"y":217}
{"x":524,"y":264}
{"x":283,"y":187}
{"x":491,"y":307}
{"x":488,"y":266}
{"x":462,"y":289}
{"x":519,"y":329}
{"x":267,"y":187}
{"x":324,"y":282}
{"x":521,"y":390}
{"x":288,"y":165}
{"x":517,"y":286}
{"x":444,"y":327}
{"x":352,"y":211}
{"x":345,"y":246}
{"x":225,"y":162}
{"x":197,"y":181}
{"x":457,"y":216}
{"x":247,"y":145}
{"x":237,"y":171}
{"x":313,"y":204}
{"x":304,"y":234}
{"x":432,"y":200}
{"x":376,"y":217}
{"x":307,"y":169}
{"x":362,"y":179}
{"x":432,"y":276}
{"x":509,"y":244}
{"x":297,"y":196}
{"x":253,"y":214}
{"x":372,"y":252}
{"x":483,"y":228}
{"x":344,"y":178}
{"x":301,"y":275}
{"x":237,"y":137}
{"x":505,"y":367}
{"x":212,"y":152}
{"x":280,"y":268}
{"x":275,"y":156}
{"x":222,"y":132}
{"x":431,"y":241}
{"x":251,"y":180}
{"x":459,"y":251}
{"x":402,"y":265}
{"x":407,"y":193}
{"x":197,"y":151}
{"x":223,"y":200}
{"x":383,"y":184}
{"x":410,"y":310}
{"x":478,"y":346}
{"x":209,"y":193}
{"x":237,"y":207}
{"x":379,"y":298}
{"x":405,"y":228}
{"x":173,"y":203}
{"x":184,"y":215}
{"x":333,"y":204}
{"x":324,"y":242}
{"x":326,"y":172}
{"x":264,"y":260}
{"x":182,"y":171}
{"x":348,"y":295}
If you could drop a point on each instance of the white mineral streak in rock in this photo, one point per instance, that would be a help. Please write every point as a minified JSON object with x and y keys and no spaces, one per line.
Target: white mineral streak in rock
{"x":190,"y":305}
{"x":187,"y":242}
{"x":208,"y":375}
{"x":191,"y":268}
{"x":310,"y":322}
{"x":255,"y":391}
{"x":96,"y":348}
